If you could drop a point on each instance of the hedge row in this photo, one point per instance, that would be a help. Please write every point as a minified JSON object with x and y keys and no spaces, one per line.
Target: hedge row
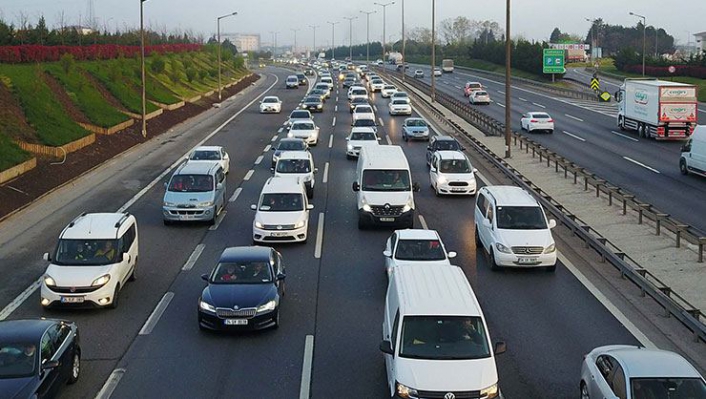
{"x":37,"y":53}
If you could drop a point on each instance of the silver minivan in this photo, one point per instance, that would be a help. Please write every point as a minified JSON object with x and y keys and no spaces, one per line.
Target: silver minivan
{"x":195,"y":192}
{"x":693,"y":153}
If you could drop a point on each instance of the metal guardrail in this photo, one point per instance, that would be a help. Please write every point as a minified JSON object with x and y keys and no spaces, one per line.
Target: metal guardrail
{"x":673,"y":303}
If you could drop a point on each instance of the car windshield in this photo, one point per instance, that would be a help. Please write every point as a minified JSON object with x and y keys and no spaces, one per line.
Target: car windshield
{"x":282,"y":202}
{"x":86,"y":252}
{"x":400,"y":94}
{"x":473,"y":85}
{"x":539,"y":116}
{"x":300,"y":115}
{"x":246,"y":272}
{"x":313,"y":99}
{"x":672,"y":388}
{"x":359,"y":93}
{"x":270,"y":100}
{"x":401,"y":102}
{"x":293,"y":166}
{"x":415,"y":122}
{"x":291,"y":145}
{"x":521,"y":218}
{"x":191,"y":183}
{"x":303,"y":126}
{"x":359,"y":136}
{"x":364,"y":123}
{"x":389,"y":87}
{"x":386,"y":180}
{"x":443,"y":338}
{"x":322,"y":87}
{"x":363,"y":110}
{"x":205,"y":155}
{"x":481,"y":93}
{"x":359,"y":101}
{"x":17,"y":359}
{"x":445,"y":145}
{"x":419,"y":250}
{"x":455,"y":166}
{"x":293,"y":80}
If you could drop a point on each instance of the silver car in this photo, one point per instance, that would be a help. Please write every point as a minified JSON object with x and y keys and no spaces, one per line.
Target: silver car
{"x":195,"y":192}
{"x":415,"y":128}
{"x":298,"y":115}
{"x":479,"y":97}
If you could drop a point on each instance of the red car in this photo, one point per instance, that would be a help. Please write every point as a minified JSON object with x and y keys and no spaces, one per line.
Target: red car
{"x":471,"y":87}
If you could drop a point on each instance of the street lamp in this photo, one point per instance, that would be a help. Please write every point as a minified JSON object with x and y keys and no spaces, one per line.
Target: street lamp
{"x":218,"y":27}
{"x":333,"y":35}
{"x":274,"y":49}
{"x":508,"y":86}
{"x":644,"y":27}
{"x":404,"y":42}
{"x":367,"y":56}
{"x":384,"y":7}
{"x":142,"y":68}
{"x":593,"y":36}
{"x":433,"y":50}
{"x":314,"y":28}
{"x":294,"y":50}
{"x":350,"y":36}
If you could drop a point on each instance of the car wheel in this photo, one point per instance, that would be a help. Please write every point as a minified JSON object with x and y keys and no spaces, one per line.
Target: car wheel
{"x":167,"y":222}
{"x":362,"y":224}
{"x":310,"y":192}
{"x":493,"y":264}
{"x":550,"y":131}
{"x":75,"y":367}
{"x":114,"y":304}
{"x":404,"y":137}
{"x":682,"y":167}
{"x":436,"y":190}
{"x":584,"y":391}
{"x":349,"y":156}
{"x":479,"y":243}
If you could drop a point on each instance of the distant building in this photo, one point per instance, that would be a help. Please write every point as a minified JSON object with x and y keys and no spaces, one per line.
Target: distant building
{"x":700,"y":40}
{"x":243,"y":42}
{"x":82,"y":30}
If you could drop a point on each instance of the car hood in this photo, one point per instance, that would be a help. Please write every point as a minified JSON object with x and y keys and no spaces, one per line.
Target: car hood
{"x":16,"y":388}
{"x":405,"y":105}
{"x":302,"y":133}
{"x":387,"y":197}
{"x":187,"y":198}
{"x":304,"y":176}
{"x":241,"y":295}
{"x":360,"y":143}
{"x":76,"y":276}
{"x":512,"y":238}
{"x":278,"y":218}
{"x":458,"y":176}
{"x":446,"y":375}
{"x":416,"y":129}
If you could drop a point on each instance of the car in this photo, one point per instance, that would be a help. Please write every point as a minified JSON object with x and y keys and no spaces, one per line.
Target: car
{"x":348,"y":82}
{"x":357,"y":92}
{"x":400,"y":95}
{"x":305,"y":130}
{"x":387,"y":91}
{"x":537,"y":121}
{"x":479,"y":97}
{"x":635,"y":372}
{"x":376,"y":84}
{"x":298,"y":115}
{"x":402,"y":66}
{"x":282,"y":212}
{"x":365,"y":122}
{"x":271,"y":104}
{"x":692,"y":157}
{"x":418,"y":74}
{"x":359,"y":137}
{"x":379,"y":62}
{"x":309,"y":72}
{"x":210,"y":154}
{"x":324,"y":89}
{"x":441,"y":143}
{"x":512,"y":229}
{"x":94,"y":259}
{"x":297,"y":164}
{"x":292,"y":82}
{"x":328,"y":80}
{"x":364,"y":111}
{"x":303,"y":81}
{"x":452,"y":173}
{"x":437,"y":71}
{"x":195,"y":192}
{"x":244,"y":290}
{"x":321,"y":93}
{"x":470,"y":87}
{"x":399,"y":107}
{"x":313,"y":104}
{"x":415,"y":128}
{"x":288,"y":144}
{"x":38,"y":357}
{"x":356,"y":102}
{"x":415,"y":246}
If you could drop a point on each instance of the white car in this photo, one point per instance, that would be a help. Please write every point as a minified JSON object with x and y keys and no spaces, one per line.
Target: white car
{"x":363,"y":112}
{"x":415,"y":128}
{"x":357,"y":92}
{"x":376,"y":85}
{"x":537,"y":121}
{"x":400,"y":107}
{"x":632,"y":372}
{"x":306,"y":130}
{"x":387,"y":91}
{"x":298,"y":164}
{"x":298,"y":115}
{"x":400,"y":95}
{"x":415,"y":246}
{"x":271,"y":104}
{"x":418,"y":74}
{"x":292,"y":82}
{"x":328,"y":80}
{"x":452,"y":173}
{"x":211,"y":154}
{"x":479,"y":97}
{"x":282,"y":212}
{"x":437,"y":71}
{"x":359,"y":137}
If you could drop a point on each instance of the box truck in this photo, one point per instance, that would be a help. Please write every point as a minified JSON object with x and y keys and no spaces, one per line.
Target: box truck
{"x":657,"y":109}
{"x":447,"y":65}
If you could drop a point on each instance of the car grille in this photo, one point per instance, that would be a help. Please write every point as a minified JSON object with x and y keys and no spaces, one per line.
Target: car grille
{"x":278,"y":227}
{"x":183,"y":212}
{"x":458,"y":183}
{"x":387,"y":210}
{"x":73,"y":290}
{"x":225,"y":312}
{"x":527,"y":250}
{"x":442,"y":394}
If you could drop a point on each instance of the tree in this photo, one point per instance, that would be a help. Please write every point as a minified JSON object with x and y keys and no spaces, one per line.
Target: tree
{"x":457,"y":30}
{"x":555,"y":36}
{"x":41,"y":33}
{"x":420,"y":35}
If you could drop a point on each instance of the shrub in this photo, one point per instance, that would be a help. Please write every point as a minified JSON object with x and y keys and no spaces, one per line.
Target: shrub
{"x":157,"y":65}
{"x":191,"y":74}
{"x":67,"y":62}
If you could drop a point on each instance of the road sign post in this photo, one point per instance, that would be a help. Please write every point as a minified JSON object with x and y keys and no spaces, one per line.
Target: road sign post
{"x":553,"y":61}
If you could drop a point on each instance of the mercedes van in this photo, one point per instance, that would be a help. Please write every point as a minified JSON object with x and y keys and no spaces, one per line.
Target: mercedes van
{"x":693,"y":153}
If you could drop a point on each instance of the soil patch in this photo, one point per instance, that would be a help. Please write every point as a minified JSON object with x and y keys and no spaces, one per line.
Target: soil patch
{"x":66,"y":102}
{"x":12,"y":118}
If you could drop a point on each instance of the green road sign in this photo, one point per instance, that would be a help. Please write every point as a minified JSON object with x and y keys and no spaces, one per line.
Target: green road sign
{"x":553,"y":61}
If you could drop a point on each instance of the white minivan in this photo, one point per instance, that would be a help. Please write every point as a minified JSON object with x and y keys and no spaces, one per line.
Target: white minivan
{"x":282,"y":212}
{"x":434,"y":336}
{"x":693,"y":153}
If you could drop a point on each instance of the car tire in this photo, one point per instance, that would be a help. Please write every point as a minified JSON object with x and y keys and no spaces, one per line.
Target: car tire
{"x":493,"y":264}
{"x":436,"y":190}
{"x":404,"y":137}
{"x":116,"y":295}
{"x":349,"y":156}
{"x":479,"y":243}
{"x":682,"y":167}
{"x":75,"y":367}
{"x":167,"y":222}
{"x":310,"y":193}
{"x":362,"y":224}
{"x":550,"y":131}
{"x":584,"y":391}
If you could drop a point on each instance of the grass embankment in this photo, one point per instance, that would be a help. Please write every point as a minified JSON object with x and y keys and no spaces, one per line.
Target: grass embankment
{"x":11,"y":154}
{"x":189,"y":75}
{"x":122,"y":79}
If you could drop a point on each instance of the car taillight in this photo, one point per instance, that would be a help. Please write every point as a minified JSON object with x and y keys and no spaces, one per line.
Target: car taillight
{"x":533,"y":121}
{"x":551,"y":121}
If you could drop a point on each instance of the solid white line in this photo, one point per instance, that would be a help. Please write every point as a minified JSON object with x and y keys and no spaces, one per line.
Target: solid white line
{"x":305,"y":387}
{"x":319,"y":236}
{"x":573,"y":117}
{"x":236,"y":194}
{"x":267,"y":148}
{"x":248,"y":175}
{"x":325,"y":178}
{"x":606,"y":302}
{"x":522,"y":99}
{"x":334,"y":121}
{"x":500,"y":104}
{"x":151,"y":322}
{"x":641,"y":164}
{"x":280,"y":130}
{"x":423,"y":222}
{"x":381,"y":121}
{"x":274,"y":138}
{"x":110,"y":384}
{"x":539,"y":105}
{"x":193,"y":257}
{"x":330,"y":141}
{"x":17,"y":302}
{"x":219,"y":219}
{"x":259,"y":159}
{"x":624,"y":136}
{"x":389,"y":141}
{"x":573,"y":135}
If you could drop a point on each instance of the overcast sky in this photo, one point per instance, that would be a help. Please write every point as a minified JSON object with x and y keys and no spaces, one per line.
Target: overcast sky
{"x":533,"y":19}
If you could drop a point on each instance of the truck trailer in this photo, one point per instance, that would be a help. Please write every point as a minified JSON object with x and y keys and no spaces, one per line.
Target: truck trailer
{"x":447,"y":65}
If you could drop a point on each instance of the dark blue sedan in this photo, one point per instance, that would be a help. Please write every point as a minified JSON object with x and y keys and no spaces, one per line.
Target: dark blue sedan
{"x":244,"y":290}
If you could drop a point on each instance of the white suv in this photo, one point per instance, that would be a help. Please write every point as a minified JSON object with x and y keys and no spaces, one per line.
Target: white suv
{"x":298,"y":164}
{"x":282,"y":211}
{"x":95,"y":257}
{"x":513,"y":229}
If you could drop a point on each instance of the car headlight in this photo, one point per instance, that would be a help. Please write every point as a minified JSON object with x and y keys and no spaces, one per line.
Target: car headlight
{"x":318,"y":106}
{"x":206,"y":306}
{"x":268,"y":307}
{"x":205,"y":204}
{"x":502,"y":248}
{"x":490,"y":392}
{"x":408,"y":206}
{"x":290,"y":134}
{"x":259,"y":225}
{"x":101,"y":281}
{"x":49,"y":281}
{"x":551,"y":248}
{"x":349,"y":147}
{"x":442,"y":180}
{"x":404,"y":391}
{"x":300,"y":224}
{"x":170,"y":204}
{"x":367,"y":208}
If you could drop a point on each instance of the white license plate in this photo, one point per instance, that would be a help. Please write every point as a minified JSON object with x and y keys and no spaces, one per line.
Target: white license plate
{"x":186,"y":217}
{"x":72,"y":299}
{"x":458,"y":189}
{"x":526,"y":261}
{"x":279,"y":234}
{"x":235,"y":322}
{"x":387,"y":219}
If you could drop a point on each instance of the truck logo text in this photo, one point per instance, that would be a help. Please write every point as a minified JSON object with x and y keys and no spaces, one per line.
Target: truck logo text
{"x":641,"y":97}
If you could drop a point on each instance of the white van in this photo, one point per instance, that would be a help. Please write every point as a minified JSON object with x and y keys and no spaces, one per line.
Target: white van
{"x":434,"y":336}
{"x":693,"y":153}
{"x":384,"y":187}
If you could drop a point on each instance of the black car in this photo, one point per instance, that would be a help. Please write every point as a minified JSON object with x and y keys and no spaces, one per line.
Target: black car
{"x":442,"y":143}
{"x":348,"y":82}
{"x":303,"y":81}
{"x":244,"y":290}
{"x":356,"y":102}
{"x":309,"y":72}
{"x":38,"y":357}
{"x":365,"y":123}
{"x":313,"y":104}
{"x":288,"y":144}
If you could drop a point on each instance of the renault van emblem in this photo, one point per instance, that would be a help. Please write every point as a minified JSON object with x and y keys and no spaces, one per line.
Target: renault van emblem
{"x":387,"y":206}
{"x":72,"y":289}
{"x":449,"y":395}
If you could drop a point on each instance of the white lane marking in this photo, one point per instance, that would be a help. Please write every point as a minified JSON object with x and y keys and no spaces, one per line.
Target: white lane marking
{"x":334,"y":121}
{"x":157,"y":313}
{"x":319,"y":236}
{"x":458,"y":87}
{"x":305,"y":387}
{"x":325,"y":178}
{"x":280,"y":130}
{"x":193,"y":257}
{"x":274,"y":138}
{"x":606,"y":303}
{"x":702,"y":110}
{"x":500,"y":104}
{"x":389,"y":141}
{"x":501,"y":92}
{"x":539,"y":105}
{"x":624,"y":136}
{"x":330,"y":141}
{"x":381,"y":121}
{"x":17,"y":302}
{"x":423,"y":222}
{"x":236,"y":194}
{"x":573,"y":117}
{"x":573,"y":135}
{"x":641,"y":164}
{"x":259,"y":159}
{"x":336,"y":98}
{"x":110,"y":384}
{"x":219,"y":219}
{"x":248,"y":175}
{"x":267,"y":148}
{"x":335,"y":109}
{"x":522,"y":99}
{"x":375,"y":108}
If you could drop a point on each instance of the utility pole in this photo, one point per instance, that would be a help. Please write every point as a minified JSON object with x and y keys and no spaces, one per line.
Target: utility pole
{"x":508,"y":86}
{"x":433,"y":49}
{"x":294,"y":50}
{"x":350,"y":36}
{"x":384,"y":37}
{"x":404,"y":42}
{"x":218,"y":24}
{"x":142,"y":67}
{"x":314,"y":28}
{"x":367,"y":13}
{"x":644,"y":27}
{"x":333,"y":36}
{"x":593,"y":37}
{"x":274,"y":49}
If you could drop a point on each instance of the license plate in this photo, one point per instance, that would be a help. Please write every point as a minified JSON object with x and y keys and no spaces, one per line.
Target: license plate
{"x":458,"y":189}
{"x":279,"y":234}
{"x":387,"y":219}
{"x":185,"y":217}
{"x":526,"y":261}
{"x":236,"y":322}
{"x":72,"y":299}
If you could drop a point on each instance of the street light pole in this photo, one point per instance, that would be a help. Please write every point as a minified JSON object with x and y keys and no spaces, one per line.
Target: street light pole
{"x":367,"y":56}
{"x":142,"y":67}
{"x":404,"y":42}
{"x":350,"y":36}
{"x":508,"y":86}
{"x":314,"y":28}
{"x":333,"y":36}
{"x":218,"y":27}
{"x":644,"y":27}
{"x":294,"y":50}
{"x":593,"y":36}
{"x":384,"y":37}
{"x":433,"y":50}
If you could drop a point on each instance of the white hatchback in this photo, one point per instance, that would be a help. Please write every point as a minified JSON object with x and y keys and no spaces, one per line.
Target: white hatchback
{"x":387,"y":91}
{"x":537,"y":121}
{"x":282,"y":212}
{"x":359,"y":137}
{"x":415,"y":246}
{"x":452,"y":173}
{"x":363,"y":112}
{"x":297,"y":164}
{"x":211,"y":154}
{"x":400,"y":107}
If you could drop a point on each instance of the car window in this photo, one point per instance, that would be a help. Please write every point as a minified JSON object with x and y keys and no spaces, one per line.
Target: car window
{"x":540,"y":116}
{"x":129,"y":238}
{"x":521,"y":218}
{"x":386,"y":180}
{"x":604,"y":364}
{"x":454,"y":166}
{"x":282,"y":202}
{"x":86,"y":252}
{"x":490,"y":213}
{"x":269,"y":100}
{"x":303,"y":126}
{"x":293,"y":166}
{"x":245,"y":272}
{"x":18,"y":359}
{"x":395,"y":327}
{"x":299,"y":115}
{"x":481,"y":203}
{"x":191,"y":183}
{"x":413,"y":122}
{"x":47,"y":348}
{"x":363,"y":110}
{"x":447,"y":145}
{"x":399,"y":102}
{"x":364,"y":123}
{"x":205,"y":155}
{"x":421,"y":250}
{"x":291,"y":145}
{"x":444,"y":338}
{"x":617,"y":382}
{"x":648,"y":388}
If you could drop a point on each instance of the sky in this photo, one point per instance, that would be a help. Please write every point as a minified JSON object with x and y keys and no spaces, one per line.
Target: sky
{"x":532,"y":19}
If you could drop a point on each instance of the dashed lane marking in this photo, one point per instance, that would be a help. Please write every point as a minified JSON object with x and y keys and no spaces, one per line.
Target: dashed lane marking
{"x":624,"y":136}
{"x":194,"y":257}
{"x":157,"y":313}
{"x":641,"y":164}
{"x":248,"y":175}
{"x":573,"y":135}
{"x":236,"y":194}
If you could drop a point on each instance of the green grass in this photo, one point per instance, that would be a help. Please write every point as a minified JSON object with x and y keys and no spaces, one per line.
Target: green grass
{"x":42,"y":110}
{"x":88,"y":99}
{"x":111,"y":76}
{"x":699,"y":83}
{"x":10,"y":153}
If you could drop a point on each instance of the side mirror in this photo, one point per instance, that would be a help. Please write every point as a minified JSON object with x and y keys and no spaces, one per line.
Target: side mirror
{"x":415,"y":187}
{"x":429,"y":148}
{"x":272,"y":170}
{"x":378,"y":138}
{"x":316,"y":170}
{"x":52,"y":364}
{"x":166,"y":184}
{"x":127,"y":256}
{"x":475,"y":170}
{"x":432,"y":169}
{"x":386,"y":347}
{"x":253,"y":207}
{"x":500,"y":347}
{"x":204,"y":277}
{"x":273,"y":148}
{"x":309,"y":206}
{"x":552,"y":223}
{"x":281,"y":276}
{"x":387,"y":253}
{"x":348,"y":138}
{"x":356,"y":186}
{"x":219,"y":186}
{"x":46,"y":257}
{"x":451,"y":254}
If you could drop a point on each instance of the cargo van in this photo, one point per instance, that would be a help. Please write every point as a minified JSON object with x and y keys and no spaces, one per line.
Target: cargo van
{"x":195,"y":192}
{"x":693,"y":153}
{"x":435,"y":340}
{"x":384,"y":187}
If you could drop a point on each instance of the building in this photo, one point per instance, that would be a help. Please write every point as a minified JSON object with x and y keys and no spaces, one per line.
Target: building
{"x":243,"y":42}
{"x":700,"y":40}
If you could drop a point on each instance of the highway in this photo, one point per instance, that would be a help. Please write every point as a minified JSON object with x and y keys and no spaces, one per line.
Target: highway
{"x":586,"y":133}
{"x":549,"y":320}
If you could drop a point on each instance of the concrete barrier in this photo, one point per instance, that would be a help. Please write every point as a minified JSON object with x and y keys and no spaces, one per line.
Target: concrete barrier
{"x":24,"y":167}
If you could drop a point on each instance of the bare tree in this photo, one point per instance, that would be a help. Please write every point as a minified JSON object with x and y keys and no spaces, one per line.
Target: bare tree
{"x":456,"y":30}
{"x":61,"y":25}
{"x":420,"y":35}
{"x":23,"y":22}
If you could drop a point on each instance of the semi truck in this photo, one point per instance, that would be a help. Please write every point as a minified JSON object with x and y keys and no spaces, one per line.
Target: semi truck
{"x":657,"y":109}
{"x":447,"y":65}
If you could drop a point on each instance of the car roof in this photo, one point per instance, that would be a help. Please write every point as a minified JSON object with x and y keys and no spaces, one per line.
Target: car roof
{"x":303,"y":121}
{"x":401,"y":94}
{"x":290,"y":139}
{"x":245,"y":253}
{"x":95,"y":226}
{"x":363,"y":106}
{"x":208,"y":148}
{"x":24,"y":330}
{"x":643,"y":362}
{"x":443,"y":138}
{"x":300,"y":111}
{"x":417,"y":234}
{"x":362,"y":129}
{"x":283,"y":185}
{"x":196,"y":168}
{"x":414,"y":119}
{"x":446,"y":154}
{"x":292,"y":77}
{"x":511,"y":196}
{"x":537,"y":113}
{"x":295,"y":155}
